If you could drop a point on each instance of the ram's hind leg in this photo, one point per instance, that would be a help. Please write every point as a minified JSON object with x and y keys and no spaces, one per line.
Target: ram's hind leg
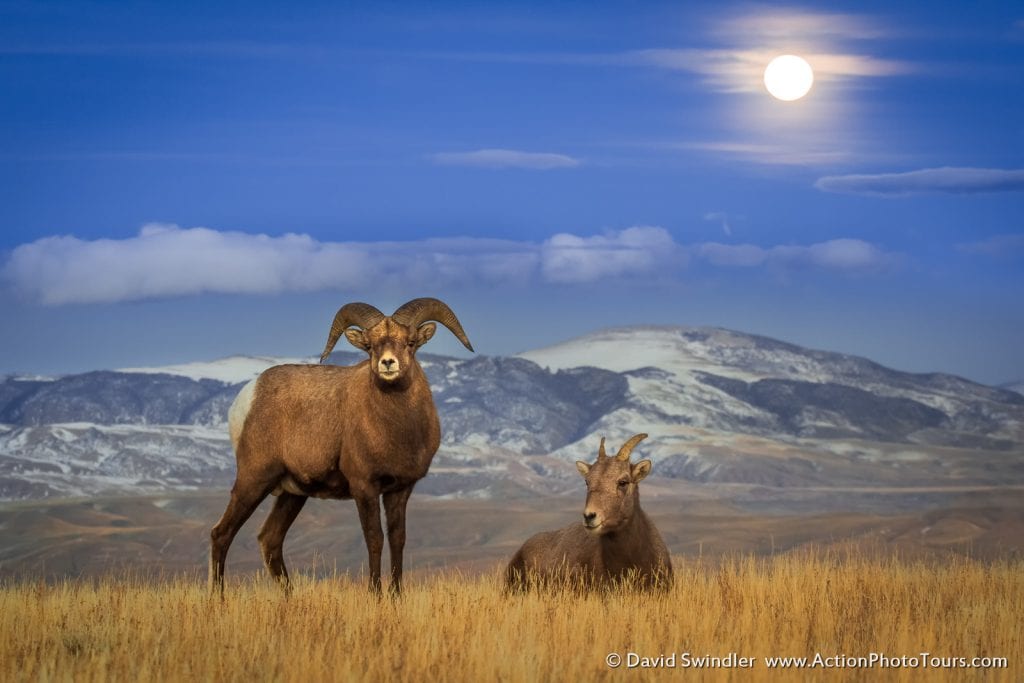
{"x":286,"y":509}
{"x":246,"y":495}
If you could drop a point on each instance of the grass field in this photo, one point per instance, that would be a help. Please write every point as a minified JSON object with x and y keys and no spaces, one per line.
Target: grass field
{"x":463,"y":628}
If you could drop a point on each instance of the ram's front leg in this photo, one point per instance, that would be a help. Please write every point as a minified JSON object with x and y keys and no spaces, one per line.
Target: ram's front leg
{"x":368,"y":504}
{"x":394,"y":505}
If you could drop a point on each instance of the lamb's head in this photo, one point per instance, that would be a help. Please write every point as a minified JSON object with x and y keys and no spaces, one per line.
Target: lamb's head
{"x":392,"y":341}
{"x":612,"y":493}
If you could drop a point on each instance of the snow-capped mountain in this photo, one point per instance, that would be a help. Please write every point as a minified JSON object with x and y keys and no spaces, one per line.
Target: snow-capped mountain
{"x":719,"y":406}
{"x":79,"y":459}
{"x":729,"y":381}
{"x":231,"y":370}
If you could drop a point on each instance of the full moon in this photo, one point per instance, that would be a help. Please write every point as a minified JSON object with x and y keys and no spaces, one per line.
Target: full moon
{"x":788,"y":77}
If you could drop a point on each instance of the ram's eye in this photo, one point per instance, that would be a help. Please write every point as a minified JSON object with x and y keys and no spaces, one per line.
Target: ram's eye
{"x":412,"y":343}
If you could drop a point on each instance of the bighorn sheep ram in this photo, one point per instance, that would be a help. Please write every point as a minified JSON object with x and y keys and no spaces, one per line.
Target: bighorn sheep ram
{"x":615,"y":540}
{"x":360,"y":432}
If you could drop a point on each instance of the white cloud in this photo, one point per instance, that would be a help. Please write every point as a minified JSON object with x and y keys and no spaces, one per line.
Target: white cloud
{"x":842,"y":255}
{"x":505,"y":158}
{"x":637,"y":252}
{"x":839,"y":254}
{"x":169,"y":261}
{"x":947,"y":179}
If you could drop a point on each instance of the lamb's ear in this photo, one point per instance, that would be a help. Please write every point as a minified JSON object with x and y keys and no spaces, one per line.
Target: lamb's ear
{"x":356,"y":338}
{"x":424,"y":333}
{"x":640,"y":470}
{"x":583,"y":467}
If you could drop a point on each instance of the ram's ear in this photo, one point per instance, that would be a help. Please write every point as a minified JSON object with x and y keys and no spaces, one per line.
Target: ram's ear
{"x":424,"y":333}
{"x":583,"y":467}
{"x":357,"y":338}
{"x":640,"y":470}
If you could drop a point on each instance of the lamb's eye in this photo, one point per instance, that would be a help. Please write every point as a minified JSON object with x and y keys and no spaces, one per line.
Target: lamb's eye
{"x":623,"y":483}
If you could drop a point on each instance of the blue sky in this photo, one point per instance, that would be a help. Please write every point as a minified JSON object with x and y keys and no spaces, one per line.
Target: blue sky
{"x":183,"y":182}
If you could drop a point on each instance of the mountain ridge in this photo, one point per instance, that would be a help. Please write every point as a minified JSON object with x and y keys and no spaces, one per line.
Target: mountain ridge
{"x":720,"y":406}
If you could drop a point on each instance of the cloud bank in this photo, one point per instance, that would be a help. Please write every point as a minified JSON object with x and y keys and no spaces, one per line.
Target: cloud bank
{"x":505,"y":158}
{"x":164,"y":260}
{"x":169,"y":261}
{"x":948,"y":179}
{"x":845,"y":255}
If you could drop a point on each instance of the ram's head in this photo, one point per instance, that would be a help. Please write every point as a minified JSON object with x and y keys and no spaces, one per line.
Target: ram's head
{"x":392,"y":341}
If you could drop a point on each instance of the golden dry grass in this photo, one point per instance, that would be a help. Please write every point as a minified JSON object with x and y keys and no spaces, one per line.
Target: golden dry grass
{"x":462,"y":628}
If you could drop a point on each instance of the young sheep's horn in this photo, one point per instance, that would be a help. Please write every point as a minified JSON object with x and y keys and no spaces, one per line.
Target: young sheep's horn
{"x":359,"y":314}
{"x":627,"y":447}
{"x":600,"y":450}
{"x":418,"y":311}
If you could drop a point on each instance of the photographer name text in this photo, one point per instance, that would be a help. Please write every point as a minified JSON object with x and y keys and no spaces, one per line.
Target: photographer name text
{"x":734,"y":660}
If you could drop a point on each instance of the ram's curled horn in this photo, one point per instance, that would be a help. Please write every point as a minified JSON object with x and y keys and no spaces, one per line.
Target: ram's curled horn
{"x":627,"y":447}
{"x":359,"y":314}
{"x":600,"y":450}
{"x":416,"y":312}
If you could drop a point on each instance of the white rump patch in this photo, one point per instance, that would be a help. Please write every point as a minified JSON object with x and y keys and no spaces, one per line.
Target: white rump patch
{"x":240,"y":410}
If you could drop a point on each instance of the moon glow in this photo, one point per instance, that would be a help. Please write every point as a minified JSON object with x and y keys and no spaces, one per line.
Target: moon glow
{"x":788,"y":77}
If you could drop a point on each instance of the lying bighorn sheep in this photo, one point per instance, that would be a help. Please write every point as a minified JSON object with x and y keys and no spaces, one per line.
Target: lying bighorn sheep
{"x":361,"y":432}
{"x":615,"y":541}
